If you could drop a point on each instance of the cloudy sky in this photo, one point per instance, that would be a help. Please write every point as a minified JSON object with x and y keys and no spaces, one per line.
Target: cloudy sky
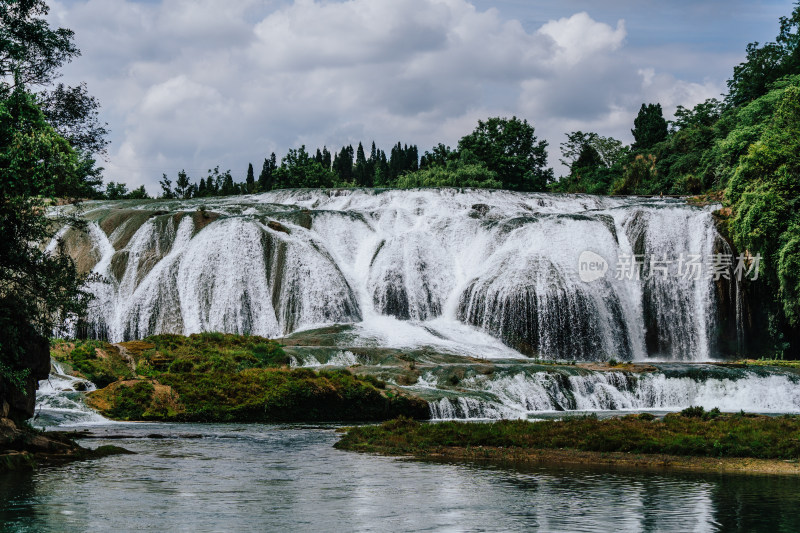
{"x":198,"y":83}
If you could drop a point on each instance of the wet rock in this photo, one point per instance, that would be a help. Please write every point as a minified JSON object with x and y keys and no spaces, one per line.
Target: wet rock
{"x":277,"y":226}
{"x":479,"y":210}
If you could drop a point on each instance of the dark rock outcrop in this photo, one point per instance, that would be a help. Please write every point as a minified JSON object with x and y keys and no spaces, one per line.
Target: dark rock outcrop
{"x":18,"y":404}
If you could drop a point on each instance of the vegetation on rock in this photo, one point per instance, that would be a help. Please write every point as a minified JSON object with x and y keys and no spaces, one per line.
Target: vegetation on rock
{"x":221,"y":377}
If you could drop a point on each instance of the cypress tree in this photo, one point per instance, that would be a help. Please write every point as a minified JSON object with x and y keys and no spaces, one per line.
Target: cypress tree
{"x":326,"y":158}
{"x":266,"y":180}
{"x":250,"y":184}
{"x":649,"y":127}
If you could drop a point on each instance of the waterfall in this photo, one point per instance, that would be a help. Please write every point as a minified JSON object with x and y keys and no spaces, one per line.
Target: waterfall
{"x":473,"y":272}
{"x":59,"y":400}
{"x":525,"y":394}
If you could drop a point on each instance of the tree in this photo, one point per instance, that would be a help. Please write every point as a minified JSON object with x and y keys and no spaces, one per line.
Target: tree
{"x":75,"y":116}
{"x":166,"y":187}
{"x":138,"y":194}
{"x":326,"y":158}
{"x":40,"y":290}
{"x":343,"y":164}
{"x":510,"y":148}
{"x":765,"y":193}
{"x":766,"y":64}
{"x":266,"y":180}
{"x":439,"y":156}
{"x":250,"y":181}
{"x":182,"y":185}
{"x":649,"y":127}
{"x":116,"y":191}
{"x":30,"y":51}
{"x":361,"y":171}
{"x":299,"y":170}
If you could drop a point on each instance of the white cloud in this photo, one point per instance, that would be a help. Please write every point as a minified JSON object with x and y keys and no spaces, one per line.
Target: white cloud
{"x":188,"y":84}
{"x":579,"y":37}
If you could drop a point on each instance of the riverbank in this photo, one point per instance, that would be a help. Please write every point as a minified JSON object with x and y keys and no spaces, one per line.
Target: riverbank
{"x":214,"y":377}
{"x":690,"y":440}
{"x":25,"y":448}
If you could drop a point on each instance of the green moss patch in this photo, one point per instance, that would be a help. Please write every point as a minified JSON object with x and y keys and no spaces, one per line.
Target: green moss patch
{"x":98,"y":361}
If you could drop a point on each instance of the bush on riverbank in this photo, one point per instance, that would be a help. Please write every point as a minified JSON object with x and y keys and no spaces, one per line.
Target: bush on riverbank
{"x":686,"y":434}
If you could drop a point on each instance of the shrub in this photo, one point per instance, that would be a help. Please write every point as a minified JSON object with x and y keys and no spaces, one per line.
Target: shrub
{"x":693,"y":412}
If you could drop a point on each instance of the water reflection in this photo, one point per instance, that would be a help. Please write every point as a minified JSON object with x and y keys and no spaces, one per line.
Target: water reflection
{"x":240,"y":478}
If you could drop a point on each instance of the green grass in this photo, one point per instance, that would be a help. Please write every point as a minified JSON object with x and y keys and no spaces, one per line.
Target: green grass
{"x":691,"y":433}
{"x":215,"y":377}
{"x":769,"y":362}
{"x":204,"y":352}
{"x":97,"y":361}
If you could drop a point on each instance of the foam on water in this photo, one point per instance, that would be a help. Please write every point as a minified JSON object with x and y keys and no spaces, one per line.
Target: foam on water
{"x":524,"y":394}
{"x":58,"y":402}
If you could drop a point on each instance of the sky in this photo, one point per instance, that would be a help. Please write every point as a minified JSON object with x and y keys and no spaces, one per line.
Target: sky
{"x":192,"y":84}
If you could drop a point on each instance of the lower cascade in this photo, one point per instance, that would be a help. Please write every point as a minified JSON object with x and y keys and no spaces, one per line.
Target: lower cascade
{"x":59,"y":400}
{"x":524,"y":395}
{"x":477,"y":272}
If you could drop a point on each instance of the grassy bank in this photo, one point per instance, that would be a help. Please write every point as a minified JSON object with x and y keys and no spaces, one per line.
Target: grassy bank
{"x":692,"y":433}
{"x":214,"y":377}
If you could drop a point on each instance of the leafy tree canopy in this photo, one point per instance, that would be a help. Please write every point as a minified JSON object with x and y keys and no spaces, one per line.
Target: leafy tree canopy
{"x":510,"y":148}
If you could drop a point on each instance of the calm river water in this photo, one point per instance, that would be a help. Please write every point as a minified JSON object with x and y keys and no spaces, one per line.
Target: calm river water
{"x":290,"y":478}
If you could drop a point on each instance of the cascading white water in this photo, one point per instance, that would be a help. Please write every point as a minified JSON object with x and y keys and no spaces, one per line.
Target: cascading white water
{"x":58,"y":402}
{"x":477,"y":272}
{"x":524,"y":394}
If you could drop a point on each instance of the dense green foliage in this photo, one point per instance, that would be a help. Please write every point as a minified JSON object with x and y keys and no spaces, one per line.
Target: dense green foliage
{"x":39,"y":289}
{"x":222,"y":377}
{"x":766,"y":64}
{"x":509,"y":147}
{"x":693,"y":432}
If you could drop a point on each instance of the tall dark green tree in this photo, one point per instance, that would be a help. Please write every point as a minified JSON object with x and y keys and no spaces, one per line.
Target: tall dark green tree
{"x":510,"y":148}
{"x":361,"y":170}
{"x":250,"y":181}
{"x":266,"y":180}
{"x":343,"y":164}
{"x":649,"y":127}
{"x":326,"y":158}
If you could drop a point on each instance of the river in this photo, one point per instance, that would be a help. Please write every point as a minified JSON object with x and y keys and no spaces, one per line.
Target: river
{"x":251,"y":477}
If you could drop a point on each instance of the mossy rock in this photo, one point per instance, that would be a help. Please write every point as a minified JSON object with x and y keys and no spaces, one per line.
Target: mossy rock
{"x":224,"y":377}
